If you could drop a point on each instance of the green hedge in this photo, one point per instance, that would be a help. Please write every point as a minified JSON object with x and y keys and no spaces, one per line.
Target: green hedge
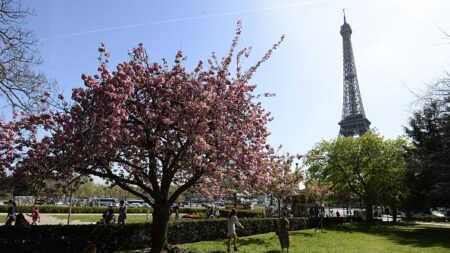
{"x":245,"y":213}
{"x":109,"y":238}
{"x":258,"y":213}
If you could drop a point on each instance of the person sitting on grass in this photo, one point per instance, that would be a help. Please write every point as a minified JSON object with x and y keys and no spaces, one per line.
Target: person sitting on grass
{"x":232,"y":222}
{"x":21,"y":221}
{"x":108,"y":216}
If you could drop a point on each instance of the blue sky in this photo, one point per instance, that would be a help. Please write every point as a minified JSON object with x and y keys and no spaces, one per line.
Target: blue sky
{"x":397,"y":44}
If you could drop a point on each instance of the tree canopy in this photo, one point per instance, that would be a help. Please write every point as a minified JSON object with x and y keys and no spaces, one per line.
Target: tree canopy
{"x":150,"y":126}
{"x":368,"y":166}
{"x":428,"y":159}
{"x":21,"y":85}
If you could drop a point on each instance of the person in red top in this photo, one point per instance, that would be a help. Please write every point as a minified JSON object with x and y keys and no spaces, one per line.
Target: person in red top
{"x":35,"y":216}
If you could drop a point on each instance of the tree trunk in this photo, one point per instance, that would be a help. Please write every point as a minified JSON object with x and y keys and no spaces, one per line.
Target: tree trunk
{"x":394,"y":215}
{"x":235,"y":199}
{"x":159,"y":227}
{"x":279,"y":208}
{"x":369,"y":213}
{"x":70,"y":207}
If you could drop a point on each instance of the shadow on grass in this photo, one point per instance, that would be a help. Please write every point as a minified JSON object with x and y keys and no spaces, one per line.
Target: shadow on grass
{"x":252,"y":241}
{"x":415,"y":235}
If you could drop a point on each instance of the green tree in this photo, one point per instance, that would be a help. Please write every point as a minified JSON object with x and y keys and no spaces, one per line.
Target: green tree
{"x":428,"y":173}
{"x":368,"y":166}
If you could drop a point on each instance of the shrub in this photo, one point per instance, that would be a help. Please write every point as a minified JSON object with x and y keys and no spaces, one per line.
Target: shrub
{"x":223,"y":213}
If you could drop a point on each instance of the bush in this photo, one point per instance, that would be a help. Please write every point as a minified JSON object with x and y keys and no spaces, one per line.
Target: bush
{"x":200,"y":212}
{"x":108,"y":238}
{"x":73,"y":238}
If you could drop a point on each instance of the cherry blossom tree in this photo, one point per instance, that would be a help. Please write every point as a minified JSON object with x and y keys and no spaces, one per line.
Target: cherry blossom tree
{"x":319,"y":190}
{"x":155,"y":128}
{"x":15,"y":136}
{"x":284,"y":181}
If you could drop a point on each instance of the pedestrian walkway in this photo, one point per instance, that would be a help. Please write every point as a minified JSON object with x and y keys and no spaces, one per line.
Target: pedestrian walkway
{"x":48,"y":219}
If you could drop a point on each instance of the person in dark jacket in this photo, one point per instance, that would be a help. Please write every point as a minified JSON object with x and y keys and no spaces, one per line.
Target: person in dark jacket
{"x":11,"y":215}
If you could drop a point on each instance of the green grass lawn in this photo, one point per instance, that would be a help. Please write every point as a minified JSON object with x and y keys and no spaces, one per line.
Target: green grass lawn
{"x":134,"y":218}
{"x":344,"y":238}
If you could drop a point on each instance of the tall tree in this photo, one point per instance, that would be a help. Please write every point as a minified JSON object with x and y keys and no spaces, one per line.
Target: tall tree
{"x":368,"y":166}
{"x":151,"y":126}
{"x":20,"y":85}
{"x":428,"y":159}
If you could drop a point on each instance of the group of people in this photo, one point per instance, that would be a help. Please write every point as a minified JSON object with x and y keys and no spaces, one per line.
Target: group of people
{"x":109,"y":217}
{"x":212,"y":212}
{"x":282,"y":232}
{"x":19,"y":218}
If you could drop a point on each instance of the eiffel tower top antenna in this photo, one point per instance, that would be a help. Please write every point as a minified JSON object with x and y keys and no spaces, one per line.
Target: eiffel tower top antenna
{"x":345,"y":21}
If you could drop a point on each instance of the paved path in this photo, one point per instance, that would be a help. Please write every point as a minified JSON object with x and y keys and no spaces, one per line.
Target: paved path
{"x":48,"y":219}
{"x":436,"y":224}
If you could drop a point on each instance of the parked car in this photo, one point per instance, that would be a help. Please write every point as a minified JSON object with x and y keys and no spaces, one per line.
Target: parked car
{"x":137,"y":203}
{"x":207,"y":205}
{"x":219,"y":204}
{"x":104,"y":202}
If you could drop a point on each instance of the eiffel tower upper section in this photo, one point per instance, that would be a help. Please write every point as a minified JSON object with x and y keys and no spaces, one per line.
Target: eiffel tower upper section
{"x":354,"y":121}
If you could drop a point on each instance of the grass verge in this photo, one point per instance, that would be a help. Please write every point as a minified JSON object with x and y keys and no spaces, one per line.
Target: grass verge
{"x":345,"y":238}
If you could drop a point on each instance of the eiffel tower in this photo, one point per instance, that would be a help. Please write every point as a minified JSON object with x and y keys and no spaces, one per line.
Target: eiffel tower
{"x":354,"y":121}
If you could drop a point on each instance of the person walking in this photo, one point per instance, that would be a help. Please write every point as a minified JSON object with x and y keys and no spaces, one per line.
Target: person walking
{"x":232,"y":222}
{"x":122,"y":212}
{"x":35,"y":217}
{"x":177,"y":211}
{"x":11,"y":213}
{"x":283,"y":232}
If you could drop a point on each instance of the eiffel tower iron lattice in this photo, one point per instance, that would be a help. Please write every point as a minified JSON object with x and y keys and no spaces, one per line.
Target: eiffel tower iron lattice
{"x":354,"y":121}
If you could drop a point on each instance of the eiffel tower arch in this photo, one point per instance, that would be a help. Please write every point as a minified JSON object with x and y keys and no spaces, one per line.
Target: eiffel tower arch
{"x":354,"y":121}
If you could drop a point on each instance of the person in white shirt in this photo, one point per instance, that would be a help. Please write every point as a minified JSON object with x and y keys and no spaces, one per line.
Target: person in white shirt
{"x":232,"y":222}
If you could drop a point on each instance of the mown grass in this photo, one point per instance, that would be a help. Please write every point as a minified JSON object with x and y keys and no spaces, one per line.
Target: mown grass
{"x":343,"y":238}
{"x":133,"y":218}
